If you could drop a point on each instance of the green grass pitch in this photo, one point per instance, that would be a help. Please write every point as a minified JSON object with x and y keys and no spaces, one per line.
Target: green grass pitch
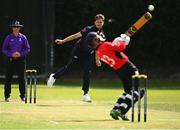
{"x":61,"y":107}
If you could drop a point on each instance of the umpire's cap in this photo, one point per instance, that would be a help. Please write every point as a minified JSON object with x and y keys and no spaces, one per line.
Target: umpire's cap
{"x":90,"y":39}
{"x":16,"y":24}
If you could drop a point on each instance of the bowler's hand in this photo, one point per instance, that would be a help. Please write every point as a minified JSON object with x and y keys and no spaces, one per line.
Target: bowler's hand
{"x":59,"y":41}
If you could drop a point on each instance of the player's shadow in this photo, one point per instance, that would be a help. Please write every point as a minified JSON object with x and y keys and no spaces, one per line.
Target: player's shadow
{"x":45,"y":105}
{"x":62,"y":105}
{"x":97,"y":120}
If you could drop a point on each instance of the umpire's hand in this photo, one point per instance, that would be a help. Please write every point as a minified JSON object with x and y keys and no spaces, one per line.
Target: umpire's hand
{"x":16,"y":55}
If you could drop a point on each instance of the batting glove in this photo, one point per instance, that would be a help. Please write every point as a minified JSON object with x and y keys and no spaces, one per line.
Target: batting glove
{"x":125,"y":38}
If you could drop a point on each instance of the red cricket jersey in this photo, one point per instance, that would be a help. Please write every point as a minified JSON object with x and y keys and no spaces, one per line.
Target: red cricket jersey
{"x":111,"y":54}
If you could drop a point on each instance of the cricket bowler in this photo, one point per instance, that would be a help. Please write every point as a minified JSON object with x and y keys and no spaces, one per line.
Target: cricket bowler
{"x":81,"y":53}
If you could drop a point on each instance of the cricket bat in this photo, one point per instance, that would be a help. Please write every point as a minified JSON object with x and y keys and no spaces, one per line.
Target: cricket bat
{"x":139,"y":24}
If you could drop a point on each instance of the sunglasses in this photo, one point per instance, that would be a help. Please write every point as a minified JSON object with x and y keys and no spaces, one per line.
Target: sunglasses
{"x":16,"y":27}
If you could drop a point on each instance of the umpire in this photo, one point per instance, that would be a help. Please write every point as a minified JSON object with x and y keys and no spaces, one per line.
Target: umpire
{"x":15,"y":48}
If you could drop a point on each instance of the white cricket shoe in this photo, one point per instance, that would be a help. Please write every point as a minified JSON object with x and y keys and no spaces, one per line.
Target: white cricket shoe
{"x":86,"y":98}
{"x":51,"y":80}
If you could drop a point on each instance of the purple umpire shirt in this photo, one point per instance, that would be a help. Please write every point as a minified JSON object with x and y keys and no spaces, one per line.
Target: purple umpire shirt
{"x":12,"y":44}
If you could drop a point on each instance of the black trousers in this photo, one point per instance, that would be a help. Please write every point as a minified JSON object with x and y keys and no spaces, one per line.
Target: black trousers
{"x":85,"y":58}
{"x":15,"y":66}
{"x":125,"y":74}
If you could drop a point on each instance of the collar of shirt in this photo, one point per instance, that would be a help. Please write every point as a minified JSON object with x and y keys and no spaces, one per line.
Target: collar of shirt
{"x":19,"y":35}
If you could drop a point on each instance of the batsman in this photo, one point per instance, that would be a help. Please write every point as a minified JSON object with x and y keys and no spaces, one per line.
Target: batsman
{"x":112,"y":54}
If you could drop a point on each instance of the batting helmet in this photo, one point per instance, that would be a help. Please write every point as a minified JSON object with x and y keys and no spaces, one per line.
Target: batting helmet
{"x":90,"y":39}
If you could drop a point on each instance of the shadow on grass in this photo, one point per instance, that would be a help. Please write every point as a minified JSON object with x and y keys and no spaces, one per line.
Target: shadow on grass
{"x":75,"y":120}
{"x":44,"y":105}
{"x":68,"y":105}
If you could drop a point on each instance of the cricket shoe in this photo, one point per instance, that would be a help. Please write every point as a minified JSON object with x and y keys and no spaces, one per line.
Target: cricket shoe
{"x":86,"y":98}
{"x":124,"y":117}
{"x":23,"y":99}
{"x":116,"y":113}
{"x":51,"y":80}
{"x":7,"y":99}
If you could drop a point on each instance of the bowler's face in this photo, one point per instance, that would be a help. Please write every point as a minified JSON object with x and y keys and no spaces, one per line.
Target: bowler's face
{"x":99,"y":23}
